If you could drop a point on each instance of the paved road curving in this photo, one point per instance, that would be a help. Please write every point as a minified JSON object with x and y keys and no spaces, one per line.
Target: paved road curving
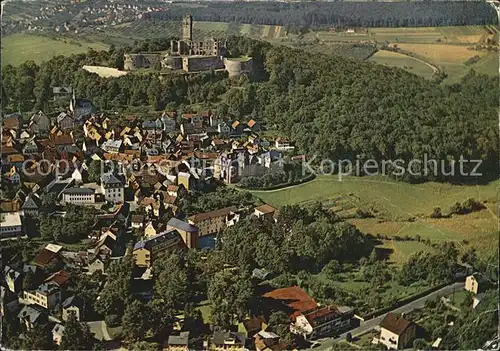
{"x":365,"y":326}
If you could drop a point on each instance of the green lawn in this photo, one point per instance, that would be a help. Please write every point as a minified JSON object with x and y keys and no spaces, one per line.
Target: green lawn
{"x":206,"y":310}
{"x":391,"y":198}
{"x":458,"y":298}
{"x":18,"y":48}
{"x":394,"y":59}
{"x":401,"y":209}
{"x":400,"y":251}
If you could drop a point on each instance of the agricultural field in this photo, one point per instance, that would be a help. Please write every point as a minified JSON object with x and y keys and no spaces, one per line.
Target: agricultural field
{"x":401,"y":209}
{"x":452,"y":58}
{"x":443,"y":47}
{"x":18,"y":48}
{"x":396,"y":59}
{"x":459,"y":35}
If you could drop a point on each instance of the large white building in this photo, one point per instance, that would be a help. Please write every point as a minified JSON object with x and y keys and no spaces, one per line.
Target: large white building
{"x":78,"y":196}
{"x":47,"y":295}
{"x":113,"y":188}
{"x":10,"y":224}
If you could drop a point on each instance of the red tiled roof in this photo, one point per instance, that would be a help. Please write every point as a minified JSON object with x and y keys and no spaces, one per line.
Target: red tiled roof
{"x":295,"y":298}
{"x":265,"y":209}
{"x":188,"y":115}
{"x":212,"y":214}
{"x":395,"y":324}
{"x":60,"y":278}
{"x":12,"y":123}
{"x":218,"y":141}
{"x":251,"y":123}
{"x":15,"y":158}
{"x":10,"y":206}
{"x":44,"y":257}
{"x":172,"y":188}
{"x":321,"y":312}
{"x":7,"y":150}
{"x":206,"y":155}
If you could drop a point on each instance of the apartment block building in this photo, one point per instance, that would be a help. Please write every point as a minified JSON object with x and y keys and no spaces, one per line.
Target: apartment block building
{"x":47,"y":295}
{"x":211,"y":222}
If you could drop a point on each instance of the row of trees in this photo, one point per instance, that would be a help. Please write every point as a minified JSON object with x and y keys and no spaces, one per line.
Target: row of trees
{"x":29,"y":86}
{"x":291,"y":173}
{"x":329,"y":14}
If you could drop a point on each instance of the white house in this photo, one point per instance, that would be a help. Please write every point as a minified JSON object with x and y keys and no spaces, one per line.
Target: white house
{"x":322,"y":321}
{"x":10,"y":224}
{"x":47,"y":295}
{"x":113,"y":188}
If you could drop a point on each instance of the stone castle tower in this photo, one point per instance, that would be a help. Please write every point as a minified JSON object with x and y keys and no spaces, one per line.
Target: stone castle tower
{"x":187,"y":28}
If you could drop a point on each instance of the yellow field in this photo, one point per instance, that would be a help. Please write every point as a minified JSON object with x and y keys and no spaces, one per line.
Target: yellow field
{"x":441,"y":52}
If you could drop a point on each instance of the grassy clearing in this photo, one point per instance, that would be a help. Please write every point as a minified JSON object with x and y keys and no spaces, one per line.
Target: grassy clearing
{"x":206,"y":310}
{"x":392,"y":290}
{"x":394,"y":59}
{"x":392,"y":199}
{"x":399,"y":251}
{"x":104,"y":72}
{"x":401,"y":209}
{"x":18,"y":48}
{"x":443,"y":53}
{"x":458,"y":298}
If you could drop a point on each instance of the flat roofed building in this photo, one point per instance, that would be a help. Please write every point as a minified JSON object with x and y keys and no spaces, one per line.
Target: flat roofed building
{"x":322,"y":321}
{"x":79,"y":196}
{"x":10,"y":224}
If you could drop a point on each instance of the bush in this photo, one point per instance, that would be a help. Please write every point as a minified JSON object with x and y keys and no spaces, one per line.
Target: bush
{"x":363,"y":214}
{"x":436,"y":213}
{"x":112,"y":320}
{"x":468,"y":206}
{"x":419,"y":344}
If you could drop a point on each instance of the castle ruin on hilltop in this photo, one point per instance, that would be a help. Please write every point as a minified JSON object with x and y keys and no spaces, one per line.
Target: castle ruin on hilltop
{"x":191,"y":55}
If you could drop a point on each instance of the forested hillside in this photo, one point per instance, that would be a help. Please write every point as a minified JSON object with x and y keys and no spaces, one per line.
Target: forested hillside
{"x":320,"y":14}
{"x":331,"y":107}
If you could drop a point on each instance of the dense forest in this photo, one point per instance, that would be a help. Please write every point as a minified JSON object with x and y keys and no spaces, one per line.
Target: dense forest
{"x":321,"y":14}
{"x":331,"y":107}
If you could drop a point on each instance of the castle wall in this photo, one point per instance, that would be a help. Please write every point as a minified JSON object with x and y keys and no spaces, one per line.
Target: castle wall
{"x":236,"y":68}
{"x":201,"y":63}
{"x":173,"y":62}
{"x":135,"y":61}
